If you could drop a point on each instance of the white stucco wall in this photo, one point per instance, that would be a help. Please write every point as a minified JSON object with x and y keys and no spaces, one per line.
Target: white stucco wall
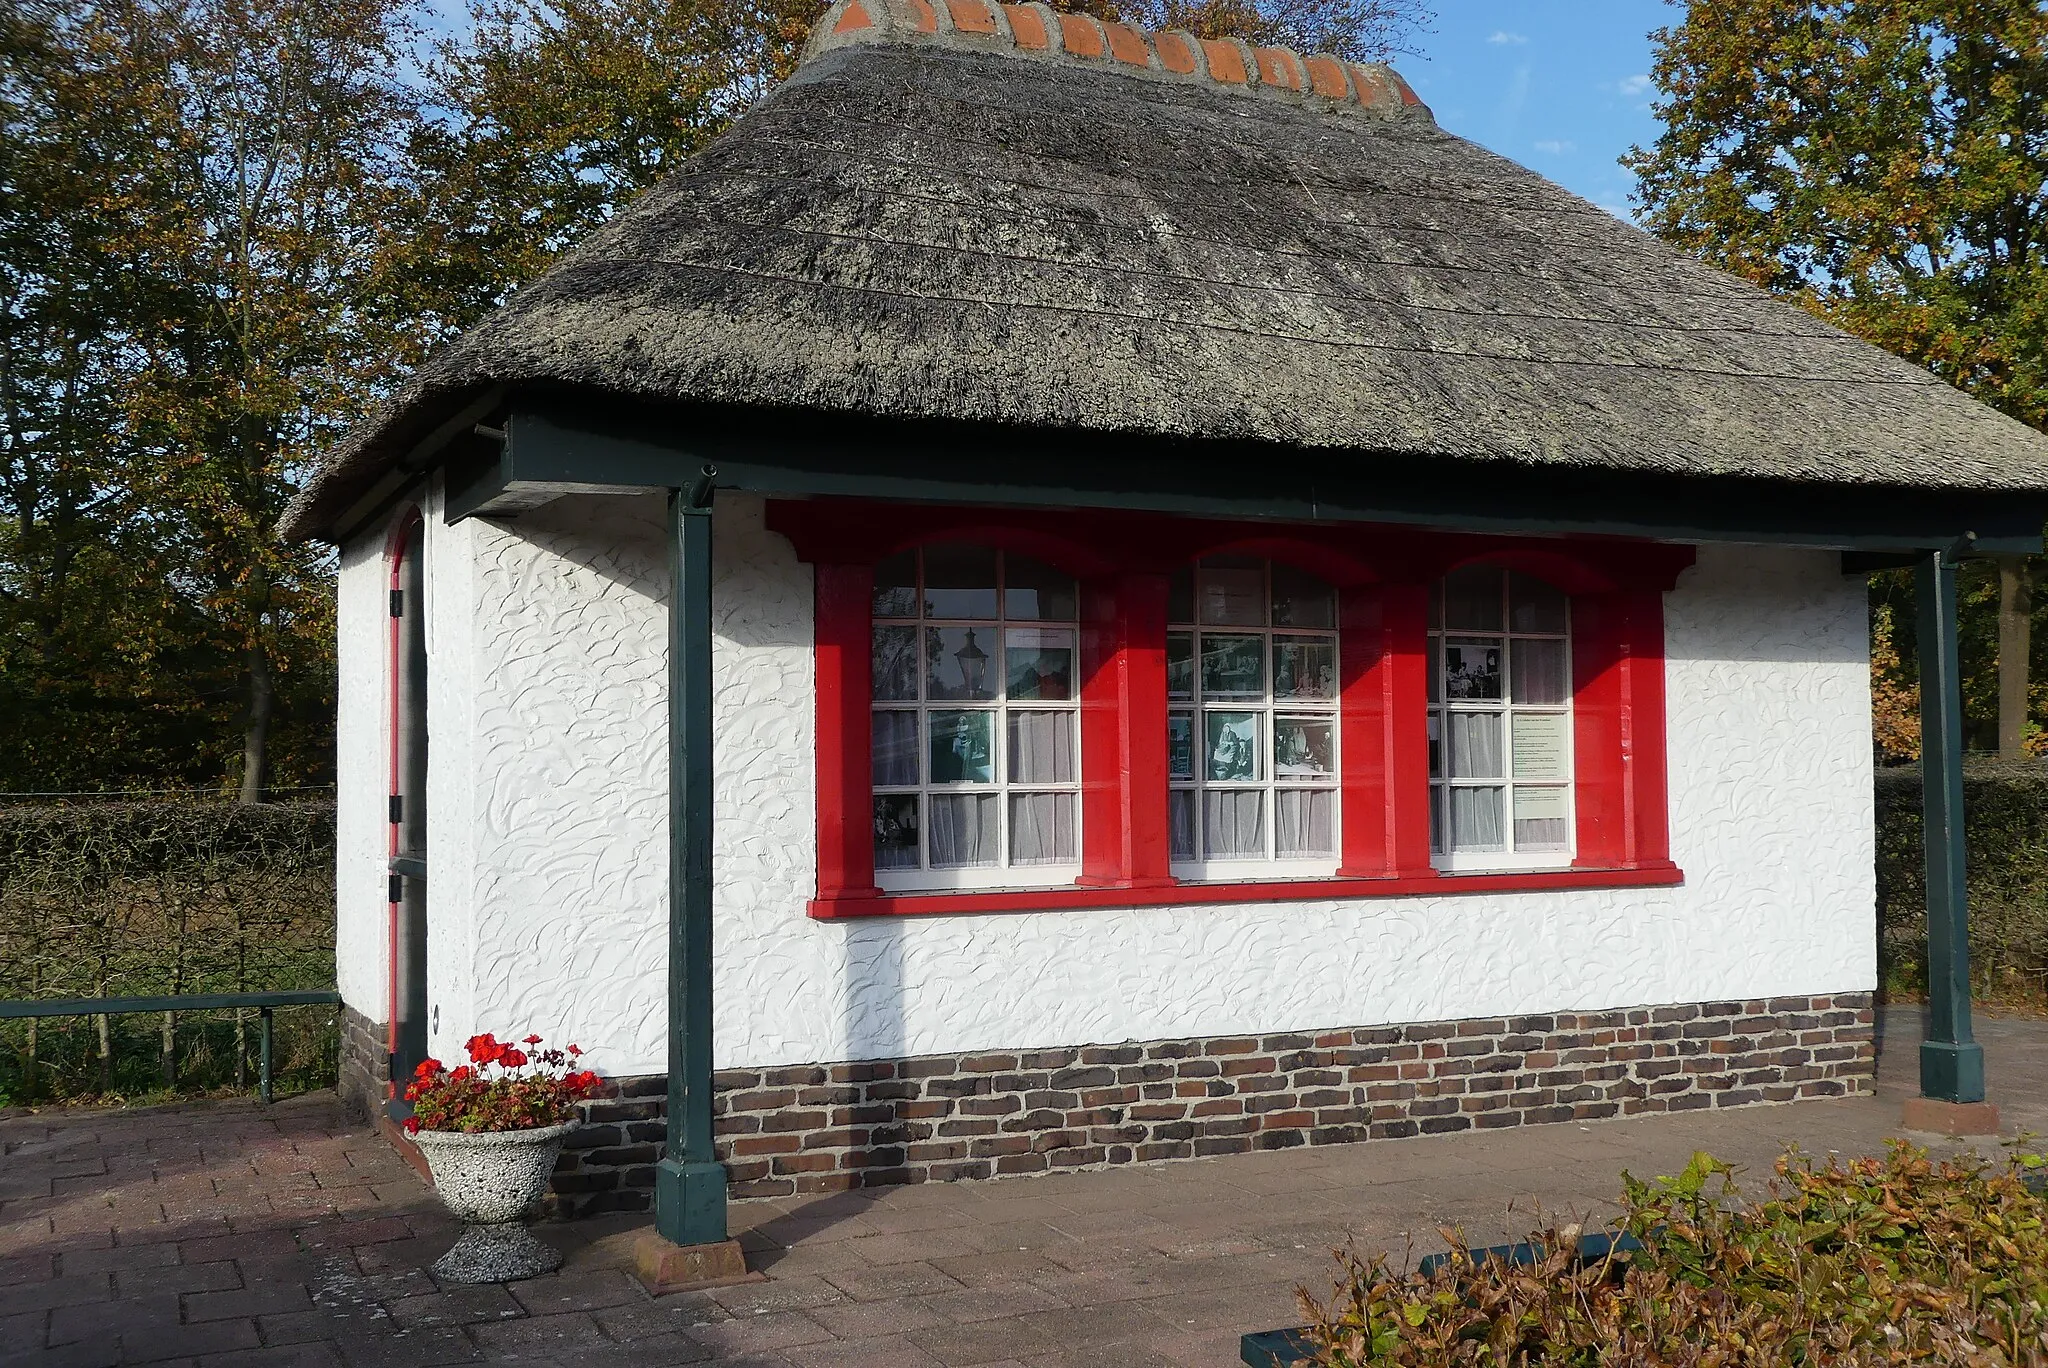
{"x":361,"y":772}
{"x":548,"y":873}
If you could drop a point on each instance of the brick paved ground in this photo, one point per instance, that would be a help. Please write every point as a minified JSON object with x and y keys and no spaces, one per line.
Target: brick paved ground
{"x":232,"y":1234}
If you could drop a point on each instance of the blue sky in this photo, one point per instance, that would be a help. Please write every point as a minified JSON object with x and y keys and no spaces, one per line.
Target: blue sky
{"x":1561,"y":86}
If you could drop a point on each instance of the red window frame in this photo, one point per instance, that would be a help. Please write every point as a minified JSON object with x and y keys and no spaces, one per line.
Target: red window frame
{"x":1382,"y":575}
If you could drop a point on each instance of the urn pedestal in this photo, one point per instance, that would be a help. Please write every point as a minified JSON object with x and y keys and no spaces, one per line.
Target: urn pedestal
{"x":488,"y":1180}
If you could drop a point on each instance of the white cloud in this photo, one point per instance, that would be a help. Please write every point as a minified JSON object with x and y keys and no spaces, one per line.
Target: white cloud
{"x":1502,"y":38}
{"x":1635,"y":85}
{"x":1556,"y":147}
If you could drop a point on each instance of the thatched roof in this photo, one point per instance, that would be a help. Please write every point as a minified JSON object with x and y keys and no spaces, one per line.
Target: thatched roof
{"x":996,"y":215}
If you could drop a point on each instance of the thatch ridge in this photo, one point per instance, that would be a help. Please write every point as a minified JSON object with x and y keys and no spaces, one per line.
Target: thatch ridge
{"x":913,"y":231}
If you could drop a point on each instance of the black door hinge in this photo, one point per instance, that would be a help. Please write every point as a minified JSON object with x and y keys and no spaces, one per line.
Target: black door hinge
{"x":397,"y":808}
{"x":397,"y":888}
{"x":398,"y":603}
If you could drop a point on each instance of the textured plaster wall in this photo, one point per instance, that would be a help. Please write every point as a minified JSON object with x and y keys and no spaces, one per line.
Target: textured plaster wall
{"x":362,"y":623}
{"x":563,"y":911}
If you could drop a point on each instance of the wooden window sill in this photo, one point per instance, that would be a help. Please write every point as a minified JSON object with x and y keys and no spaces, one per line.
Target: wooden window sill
{"x":1067,"y":899}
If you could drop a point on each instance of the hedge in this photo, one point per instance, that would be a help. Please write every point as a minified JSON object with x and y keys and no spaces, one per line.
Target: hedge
{"x":163,"y":897}
{"x":2005,"y":812}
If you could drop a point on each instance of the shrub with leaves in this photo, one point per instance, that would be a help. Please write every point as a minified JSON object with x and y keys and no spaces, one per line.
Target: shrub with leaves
{"x":502,"y":1088}
{"x":1898,"y":1260}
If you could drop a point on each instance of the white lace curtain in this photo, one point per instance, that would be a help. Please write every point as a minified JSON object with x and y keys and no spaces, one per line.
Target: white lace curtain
{"x":1303,"y":822}
{"x":1234,"y":825}
{"x":966,"y":829}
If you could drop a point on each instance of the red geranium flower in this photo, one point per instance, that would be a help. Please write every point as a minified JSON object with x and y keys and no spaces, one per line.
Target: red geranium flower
{"x":487,"y":1095}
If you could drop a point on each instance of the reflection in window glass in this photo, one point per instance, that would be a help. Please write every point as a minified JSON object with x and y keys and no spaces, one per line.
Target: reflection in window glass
{"x":1499,"y":716}
{"x":1252,"y":667}
{"x":994,"y":784}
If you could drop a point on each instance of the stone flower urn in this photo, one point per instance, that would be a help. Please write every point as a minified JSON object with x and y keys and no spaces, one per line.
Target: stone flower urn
{"x":488,"y":1180}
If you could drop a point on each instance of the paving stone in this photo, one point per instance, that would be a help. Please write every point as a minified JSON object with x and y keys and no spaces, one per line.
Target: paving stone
{"x":981,"y":1342}
{"x":584,"y":1291}
{"x":777,"y":1294}
{"x":259,"y":1299}
{"x":652,"y":1351}
{"x":49,"y":1292}
{"x":131,"y":1283}
{"x":188,"y":1341}
{"x":538,"y":1334}
{"x":891,"y":1281}
{"x":769,"y":1331}
{"x":455,"y":1306}
{"x":155,"y":1255}
{"x":659,"y":1316}
{"x":882,"y":1351}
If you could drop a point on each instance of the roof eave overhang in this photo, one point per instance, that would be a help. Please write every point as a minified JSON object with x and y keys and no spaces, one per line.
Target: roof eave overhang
{"x":552,"y":448}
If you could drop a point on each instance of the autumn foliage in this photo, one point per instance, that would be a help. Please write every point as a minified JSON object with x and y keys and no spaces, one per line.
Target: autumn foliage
{"x":502,"y":1088}
{"x":1898,"y":1260}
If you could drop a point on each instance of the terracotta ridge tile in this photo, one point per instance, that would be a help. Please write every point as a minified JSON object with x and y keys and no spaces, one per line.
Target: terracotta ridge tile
{"x":1034,"y":31}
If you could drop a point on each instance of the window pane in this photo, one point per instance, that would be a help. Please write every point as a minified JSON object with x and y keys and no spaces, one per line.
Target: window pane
{"x":1539,"y":672}
{"x":1475,"y":745}
{"x":1435,"y":671}
{"x":1180,"y":745}
{"x":895,"y":747}
{"x":1471,"y":670}
{"x":1304,"y":668}
{"x":1476,"y":819}
{"x":1436,"y":745}
{"x":1180,"y":596}
{"x":957,"y":665}
{"x":1471,"y":599}
{"x":1234,"y":825}
{"x":1181,"y":805}
{"x":896,"y":831}
{"x":959,"y":582}
{"x":1233,"y":592}
{"x":1304,"y":748}
{"x":966,"y":829}
{"x":1042,"y":828}
{"x":1041,"y":748}
{"x":893,"y":665}
{"x":1436,"y":820}
{"x":1032,"y":589}
{"x":1233,"y":666}
{"x":1040,"y":664}
{"x":1303,"y":822}
{"x":1301,"y":600}
{"x":896,"y":587}
{"x":1436,"y":606}
{"x":1541,"y":819}
{"x":1232,"y":747}
{"x":963,"y":748}
{"x":1180,"y":665}
{"x":1540,"y":746}
{"x":1534,"y":606}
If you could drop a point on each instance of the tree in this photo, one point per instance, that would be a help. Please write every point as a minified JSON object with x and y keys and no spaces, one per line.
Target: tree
{"x":199,"y":189}
{"x":1885,"y":164}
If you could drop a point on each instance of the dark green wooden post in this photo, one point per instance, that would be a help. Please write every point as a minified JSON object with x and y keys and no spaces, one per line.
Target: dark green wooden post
{"x":689,"y":1184}
{"x":1951,"y":1062}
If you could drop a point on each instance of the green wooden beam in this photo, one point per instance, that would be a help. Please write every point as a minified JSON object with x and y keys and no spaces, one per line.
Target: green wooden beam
{"x":689,"y":1183}
{"x":183,"y":1002}
{"x":1951,"y":1062}
{"x":569,"y":448}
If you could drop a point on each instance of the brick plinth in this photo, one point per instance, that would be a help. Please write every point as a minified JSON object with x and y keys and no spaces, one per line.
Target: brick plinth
{"x":821,"y":1127}
{"x":362,"y":1083}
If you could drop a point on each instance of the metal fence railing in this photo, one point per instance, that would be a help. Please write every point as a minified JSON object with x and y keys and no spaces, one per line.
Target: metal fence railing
{"x":186,"y":1002}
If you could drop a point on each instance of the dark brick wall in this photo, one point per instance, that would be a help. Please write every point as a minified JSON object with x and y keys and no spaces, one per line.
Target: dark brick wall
{"x":822,"y":1127}
{"x":361,"y":1082}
